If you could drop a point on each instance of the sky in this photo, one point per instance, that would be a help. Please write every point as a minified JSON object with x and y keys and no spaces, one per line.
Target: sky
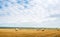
{"x":30,"y":13}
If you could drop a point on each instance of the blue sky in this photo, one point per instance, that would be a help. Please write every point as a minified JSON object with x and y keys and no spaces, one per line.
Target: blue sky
{"x":30,"y":13}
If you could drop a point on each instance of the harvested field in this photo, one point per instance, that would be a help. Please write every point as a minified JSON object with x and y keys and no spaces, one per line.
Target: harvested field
{"x":29,"y":32}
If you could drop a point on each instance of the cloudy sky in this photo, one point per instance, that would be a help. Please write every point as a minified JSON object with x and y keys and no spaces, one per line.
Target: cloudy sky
{"x":30,"y":13}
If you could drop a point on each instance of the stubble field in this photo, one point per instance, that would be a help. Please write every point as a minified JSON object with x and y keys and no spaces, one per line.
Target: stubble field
{"x":29,"y":32}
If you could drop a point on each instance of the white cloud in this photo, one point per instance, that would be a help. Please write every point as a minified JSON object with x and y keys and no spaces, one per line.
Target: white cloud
{"x":38,"y":13}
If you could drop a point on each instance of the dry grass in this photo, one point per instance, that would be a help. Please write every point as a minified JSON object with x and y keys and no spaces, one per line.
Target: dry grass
{"x":29,"y":33}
